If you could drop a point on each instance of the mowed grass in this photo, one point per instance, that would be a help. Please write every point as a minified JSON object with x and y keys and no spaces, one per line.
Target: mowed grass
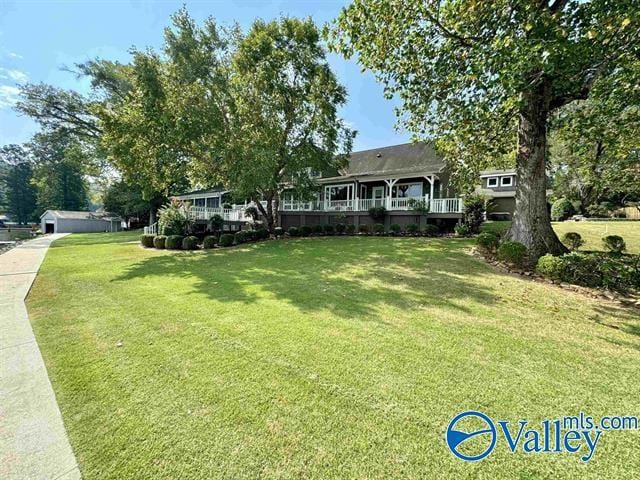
{"x":591,"y":232}
{"x":321,"y":358}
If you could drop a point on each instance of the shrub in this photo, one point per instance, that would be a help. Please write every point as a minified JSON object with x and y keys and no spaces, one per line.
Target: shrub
{"x":364,"y":229}
{"x":216,"y":223}
{"x":340,"y":228}
{"x":601,"y":210}
{"x":513,"y":252}
{"x":395,"y":229}
{"x":614,"y":243}
{"x":561,"y":210}
{"x":174,"y":242}
{"x":278,"y":232}
{"x":226,"y":240}
{"x":550,"y":267}
{"x":573,"y":240}
{"x":159,"y":242}
{"x":488,"y":241}
{"x":190,"y":243}
{"x":147,"y":240}
{"x":293,"y":231}
{"x":317,"y":229}
{"x":261,"y":233}
{"x":474,"y":208}
{"x":305,"y":230}
{"x":378,"y":228}
{"x":175,"y":218}
{"x":209,"y":241}
{"x":413,"y":229}
{"x":420,"y":207}
{"x":250,"y":235}
{"x":351,"y":228}
{"x":581,"y":269}
{"x":377,"y":214}
{"x":430,"y":230}
{"x":240,"y":237}
{"x":462,"y":230}
{"x":328,"y":229}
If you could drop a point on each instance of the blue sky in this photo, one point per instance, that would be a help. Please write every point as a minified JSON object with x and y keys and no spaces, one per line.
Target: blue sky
{"x":40,"y":37}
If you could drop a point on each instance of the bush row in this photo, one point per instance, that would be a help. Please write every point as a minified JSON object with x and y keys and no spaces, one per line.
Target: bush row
{"x":363,"y":229}
{"x":179,"y":242}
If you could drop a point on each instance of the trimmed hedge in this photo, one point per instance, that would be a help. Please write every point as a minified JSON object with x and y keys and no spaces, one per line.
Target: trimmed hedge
{"x":293,"y":232}
{"x":159,"y":242}
{"x":209,"y":241}
{"x":261,"y":234}
{"x":364,"y":229}
{"x":430,"y":230}
{"x":413,"y":229}
{"x":351,"y":229}
{"x":146,"y":240}
{"x":328,"y":229}
{"x":395,"y":229}
{"x":240,"y":237}
{"x":174,"y":242}
{"x":226,"y":239}
{"x":305,"y":230}
{"x":378,"y":228}
{"x":614,"y":243}
{"x":190,"y":243}
{"x":488,"y":241}
{"x":340,"y":228}
{"x":317,"y":229}
{"x":513,"y":252}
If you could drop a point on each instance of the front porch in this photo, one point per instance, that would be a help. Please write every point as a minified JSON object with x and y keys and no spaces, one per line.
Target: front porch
{"x":436,"y":205}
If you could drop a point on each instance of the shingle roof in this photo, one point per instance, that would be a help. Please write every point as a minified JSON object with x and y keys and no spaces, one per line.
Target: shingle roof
{"x":404,"y":158}
{"x":77,"y":215}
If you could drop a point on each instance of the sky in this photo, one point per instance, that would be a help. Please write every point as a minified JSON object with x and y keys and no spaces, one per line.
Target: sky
{"x":39,"y":38}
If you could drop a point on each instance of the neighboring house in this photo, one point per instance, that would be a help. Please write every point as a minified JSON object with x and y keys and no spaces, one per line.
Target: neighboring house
{"x":65,"y":221}
{"x":499,"y":186}
{"x":394,"y":177}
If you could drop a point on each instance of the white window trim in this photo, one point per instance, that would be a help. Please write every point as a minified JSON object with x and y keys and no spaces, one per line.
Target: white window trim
{"x":502,"y":181}
{"x":408,"y":183}
{"x":327,"y":190}
{"x":490,"y":179}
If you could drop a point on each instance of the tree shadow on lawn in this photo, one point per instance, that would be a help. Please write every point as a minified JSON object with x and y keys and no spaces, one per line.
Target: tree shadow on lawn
{"x":348,"y":276}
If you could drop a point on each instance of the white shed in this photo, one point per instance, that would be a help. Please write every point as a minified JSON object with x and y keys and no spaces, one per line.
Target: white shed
{"x":65,"y":221}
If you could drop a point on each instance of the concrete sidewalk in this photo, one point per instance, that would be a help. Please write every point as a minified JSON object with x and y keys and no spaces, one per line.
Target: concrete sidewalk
{"x":33,"y":441}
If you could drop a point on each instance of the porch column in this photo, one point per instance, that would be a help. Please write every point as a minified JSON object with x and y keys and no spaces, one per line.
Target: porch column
{"x":431,"y":181}
{"x":390,"y":183}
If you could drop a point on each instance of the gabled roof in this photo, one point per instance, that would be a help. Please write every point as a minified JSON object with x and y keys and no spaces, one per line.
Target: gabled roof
{"x":200,"y":193}
{"x":78,"y":215}
{"x":415,"y":157}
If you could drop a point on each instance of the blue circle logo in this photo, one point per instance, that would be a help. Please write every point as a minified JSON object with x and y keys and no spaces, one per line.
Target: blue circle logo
{"x":471,"y":436}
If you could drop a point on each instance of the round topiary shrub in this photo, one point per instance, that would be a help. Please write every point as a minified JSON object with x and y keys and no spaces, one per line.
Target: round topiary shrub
{"x":395,"y":229}
{"x":209,"y":241}
{"x":413,"y":229}
{"x":174,"y":242}
{"x":350,"y":229}
{"x":240,"y":237}
{"x":614,"y":243}
{"x":513,"y":252}
{"x":226,"y":240}
{"x":550,"y":267}
{"x":190,"y":243}
{"x":561,"y":210}
{"x":340,"y":228}
{"x":261,"y":233}
{"x":573,"y":240}
{"x":378,"y":213}
{"x":364,"y":229}
{"x":278,"y":232}
{"x":317,"y":229}
{"x":328,"y":229}
{"x":430,"y":230}
{"x":293,"y":232}
{"x":487,"y":241}
{"x":146,"y":240}
{"x":378,"y":228}
{"x":462,"y":230}
{"x":159,"y":242}
{"x":305,"y":230}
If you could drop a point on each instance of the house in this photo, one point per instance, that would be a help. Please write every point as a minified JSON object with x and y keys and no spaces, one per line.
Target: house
{"x":498,"y":186}
{"x":65,"y":221}
{"x":398,"y":178}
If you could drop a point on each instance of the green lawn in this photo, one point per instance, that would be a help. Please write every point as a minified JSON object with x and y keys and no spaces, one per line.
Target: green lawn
{"x":592,"y":232}
{"x":320,"y":358}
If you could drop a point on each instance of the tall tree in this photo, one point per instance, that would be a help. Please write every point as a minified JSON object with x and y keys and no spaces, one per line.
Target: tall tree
{"x":16,"y":182}
{"x":59,"y":171}
{"x":482,"y":77}
{"x":126,"y":200}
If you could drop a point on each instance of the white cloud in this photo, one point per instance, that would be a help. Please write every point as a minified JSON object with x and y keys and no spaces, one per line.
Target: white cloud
{"x":8,"y":96}
{"x":15,"y":75}
{"x":15,"y":55}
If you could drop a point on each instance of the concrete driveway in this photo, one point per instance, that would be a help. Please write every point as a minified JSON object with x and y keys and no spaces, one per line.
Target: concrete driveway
{"x":33,"y":441}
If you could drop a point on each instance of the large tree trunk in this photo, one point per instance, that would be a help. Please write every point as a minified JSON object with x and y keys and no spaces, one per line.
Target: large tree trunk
{"x":531,"y":221}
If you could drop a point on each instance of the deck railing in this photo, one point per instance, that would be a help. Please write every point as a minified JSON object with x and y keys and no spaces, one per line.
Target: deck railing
{"x":437,"y":205}
{"x":446,"y":205}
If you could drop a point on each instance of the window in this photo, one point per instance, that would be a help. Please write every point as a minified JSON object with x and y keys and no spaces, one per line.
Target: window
{"x":492,"y":182}
{"x":198,"y":202}
{"x":213,"y":202}
{"x":338,"y":192}
{"x":506,"y":181}
{"x":407,"y":190}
